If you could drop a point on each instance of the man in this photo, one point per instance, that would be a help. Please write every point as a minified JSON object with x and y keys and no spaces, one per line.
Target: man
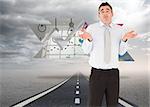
{"x":103,"y":42}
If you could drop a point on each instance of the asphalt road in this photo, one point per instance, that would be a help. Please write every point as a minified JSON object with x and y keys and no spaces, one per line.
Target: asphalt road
{"x":72,"y":92}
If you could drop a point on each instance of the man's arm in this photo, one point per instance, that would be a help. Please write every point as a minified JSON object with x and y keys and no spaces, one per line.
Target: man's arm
{"x":123,"y":47}
{"x":88,"y":41}
{"x":123,"y":43}
{"x":87,"y":46}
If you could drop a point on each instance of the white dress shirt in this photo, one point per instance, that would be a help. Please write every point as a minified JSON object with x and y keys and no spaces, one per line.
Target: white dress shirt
{"x":96,"y":48}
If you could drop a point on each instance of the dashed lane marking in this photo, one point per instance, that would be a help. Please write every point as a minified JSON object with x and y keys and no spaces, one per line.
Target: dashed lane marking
{"x":77,"y":87}
{"x":77,"y":101}
{"x":77,"y":92}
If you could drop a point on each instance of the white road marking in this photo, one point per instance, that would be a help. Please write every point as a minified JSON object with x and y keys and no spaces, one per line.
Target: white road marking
{"x":77,"y":101}
{"x":78,"y":77}
{"x":77,"y":87}
{"x":77,"y":92}
{"x":77,"y":83}
{"x":23,"y":103}
{"x":124,"y":103}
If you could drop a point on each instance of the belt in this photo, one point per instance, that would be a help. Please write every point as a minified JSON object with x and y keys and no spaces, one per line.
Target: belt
{"x":104,"y":69}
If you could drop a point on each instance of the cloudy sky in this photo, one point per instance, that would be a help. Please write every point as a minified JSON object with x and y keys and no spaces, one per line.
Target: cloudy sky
{"x":17,"y":39}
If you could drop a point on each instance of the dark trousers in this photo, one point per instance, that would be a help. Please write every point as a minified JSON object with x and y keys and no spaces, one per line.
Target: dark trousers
{"x":104,"y":82}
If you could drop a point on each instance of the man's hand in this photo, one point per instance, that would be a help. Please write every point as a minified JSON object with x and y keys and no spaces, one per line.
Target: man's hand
{"x":129,"y":35}
{"x":85,"y":35}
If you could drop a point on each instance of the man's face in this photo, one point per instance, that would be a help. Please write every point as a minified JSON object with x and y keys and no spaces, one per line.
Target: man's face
{"x":105,"y":14}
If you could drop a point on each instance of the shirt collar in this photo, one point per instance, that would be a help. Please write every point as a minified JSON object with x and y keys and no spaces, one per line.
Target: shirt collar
{"x":102,"y":24}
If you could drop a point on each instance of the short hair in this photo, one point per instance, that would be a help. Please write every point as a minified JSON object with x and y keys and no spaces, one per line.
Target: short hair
{"x":105,"y":4}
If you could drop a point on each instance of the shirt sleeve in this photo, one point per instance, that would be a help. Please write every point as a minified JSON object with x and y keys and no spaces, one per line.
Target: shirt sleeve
{"x":123,"y":45}
{"x":122,"y":48}
{"x":86,"y":45}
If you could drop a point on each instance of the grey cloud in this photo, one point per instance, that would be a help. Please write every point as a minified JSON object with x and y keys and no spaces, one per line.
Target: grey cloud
{"x":6,"y":7}
{"x":29,"y":11}
{"x":147,"y":1}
